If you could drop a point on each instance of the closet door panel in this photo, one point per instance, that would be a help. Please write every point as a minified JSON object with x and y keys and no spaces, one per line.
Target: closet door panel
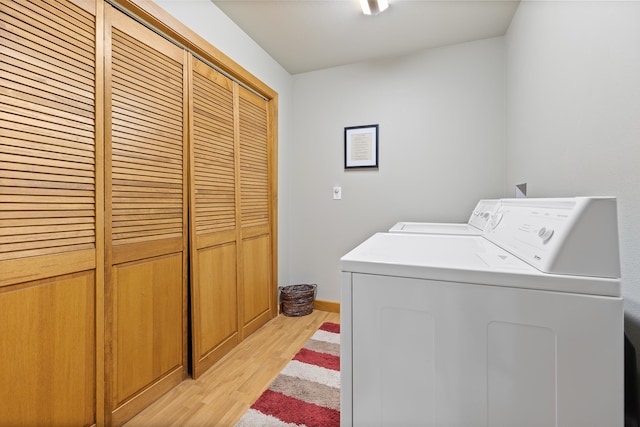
{"x":147,"y":298}
{"x":213,"y":217}
{"x":257,"y":284}
{"x":218,"y":302}
{"x":49,"y":226}
{"x":147,"y":140}
{"x":48,"y":352}
{"x":146,"y":215}
{"x":254,"y":163}
{"x":47,"y":149}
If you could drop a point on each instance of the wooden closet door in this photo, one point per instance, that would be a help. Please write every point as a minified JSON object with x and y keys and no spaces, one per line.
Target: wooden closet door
{"x":213,"y":217}
{"x":146,"y":215}
{"x":258,"y":292}
{"x":49,"y":166}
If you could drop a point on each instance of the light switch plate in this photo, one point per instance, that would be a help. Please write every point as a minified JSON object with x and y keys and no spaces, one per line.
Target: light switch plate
{"x":337,"y":193}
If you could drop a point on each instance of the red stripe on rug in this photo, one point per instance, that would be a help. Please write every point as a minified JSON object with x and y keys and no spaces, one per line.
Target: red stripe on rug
{"x":330,"y":327}
{"x":323,"y":360}
{"x":292,"y":410}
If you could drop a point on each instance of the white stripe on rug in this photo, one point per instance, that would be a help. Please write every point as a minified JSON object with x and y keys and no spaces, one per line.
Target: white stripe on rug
{"x":253,"y":418}
{"x":313,"y":373}
{"x":325,"y":336}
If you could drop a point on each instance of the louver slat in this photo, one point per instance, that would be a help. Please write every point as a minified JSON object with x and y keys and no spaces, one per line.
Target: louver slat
{"x":47,"y":109}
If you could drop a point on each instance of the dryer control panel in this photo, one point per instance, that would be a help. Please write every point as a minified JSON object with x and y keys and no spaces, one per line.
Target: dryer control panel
{"x":577,"y":236}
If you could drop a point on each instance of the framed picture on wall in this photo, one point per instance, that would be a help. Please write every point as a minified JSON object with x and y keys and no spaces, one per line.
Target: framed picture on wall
{"x":361,"y":147}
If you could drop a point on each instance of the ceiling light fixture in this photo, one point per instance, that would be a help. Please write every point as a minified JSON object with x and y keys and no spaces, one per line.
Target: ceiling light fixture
{"x":373,"y":7}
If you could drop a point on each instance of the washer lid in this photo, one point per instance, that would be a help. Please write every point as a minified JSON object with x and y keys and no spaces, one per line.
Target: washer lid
{"x":434,"y":228}
{"x":477,"y":222}
{"x":465,"y":259}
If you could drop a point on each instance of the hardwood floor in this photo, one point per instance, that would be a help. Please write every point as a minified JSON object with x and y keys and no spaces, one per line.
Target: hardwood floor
{"x":224,"y":393}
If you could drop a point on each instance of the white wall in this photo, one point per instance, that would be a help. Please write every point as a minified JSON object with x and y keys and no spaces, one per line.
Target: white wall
{"x":203,"y":17}
{"x":573,"y":114}
{"x":441,"y":148}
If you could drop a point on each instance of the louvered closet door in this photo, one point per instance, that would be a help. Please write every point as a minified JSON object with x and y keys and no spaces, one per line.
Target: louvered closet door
{"x":146,"y":215}
{"x":213,"y":218}
{"x":48,"y":196}
{"x":258,"y":291}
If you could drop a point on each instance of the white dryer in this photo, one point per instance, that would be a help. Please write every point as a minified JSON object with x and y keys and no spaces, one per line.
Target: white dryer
{"x":477,"y":221}
{"x":522,"y":326}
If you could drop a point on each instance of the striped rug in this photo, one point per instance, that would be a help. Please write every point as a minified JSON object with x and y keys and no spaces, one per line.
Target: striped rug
{"x":307,"y":391}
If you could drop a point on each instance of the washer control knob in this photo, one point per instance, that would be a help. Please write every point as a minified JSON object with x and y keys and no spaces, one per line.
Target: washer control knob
{"x":545,"y":234}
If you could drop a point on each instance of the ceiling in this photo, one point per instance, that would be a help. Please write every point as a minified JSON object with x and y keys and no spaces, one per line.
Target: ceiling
{"x":309,"y":35}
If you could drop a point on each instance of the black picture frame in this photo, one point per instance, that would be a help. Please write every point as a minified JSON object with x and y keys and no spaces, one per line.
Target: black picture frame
{"x":361,"y":147}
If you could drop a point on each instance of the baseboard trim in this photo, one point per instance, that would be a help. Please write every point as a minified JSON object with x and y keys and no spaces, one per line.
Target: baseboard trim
{"x":330,"y":306}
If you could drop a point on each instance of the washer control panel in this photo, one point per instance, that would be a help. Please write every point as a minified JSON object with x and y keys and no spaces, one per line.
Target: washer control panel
{"x":565,"y":235}
{"x":481,"y":215}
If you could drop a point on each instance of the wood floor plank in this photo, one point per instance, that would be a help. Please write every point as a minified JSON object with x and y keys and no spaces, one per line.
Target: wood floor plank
{"x":224,"y":393}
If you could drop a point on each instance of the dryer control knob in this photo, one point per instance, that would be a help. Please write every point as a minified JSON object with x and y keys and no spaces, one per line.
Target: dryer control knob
{"x":495,"y":220}
{"x":545,"y":234}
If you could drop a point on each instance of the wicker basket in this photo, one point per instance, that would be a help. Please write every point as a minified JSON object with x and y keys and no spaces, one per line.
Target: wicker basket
{"x":297,"y":300}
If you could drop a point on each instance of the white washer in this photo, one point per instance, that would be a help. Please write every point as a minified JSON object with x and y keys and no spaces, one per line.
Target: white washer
{"x":522,"y":326}
{"x":477,"y":221}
